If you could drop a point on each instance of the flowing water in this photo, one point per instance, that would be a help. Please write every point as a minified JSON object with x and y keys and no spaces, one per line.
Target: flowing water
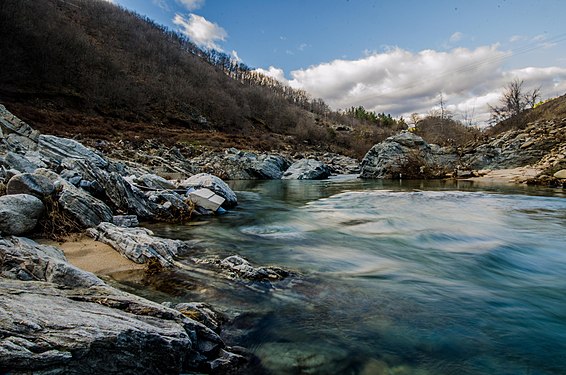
{"x":396,"y":278}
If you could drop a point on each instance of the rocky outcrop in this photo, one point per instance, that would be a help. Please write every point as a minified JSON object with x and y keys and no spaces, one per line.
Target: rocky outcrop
{"x":541,"y":143}
{"x":19,"y":213}
{"x":58,"y":319}
{"x":405,"y":155}
{"x":213,"y":183}
{"x":307,"y":169}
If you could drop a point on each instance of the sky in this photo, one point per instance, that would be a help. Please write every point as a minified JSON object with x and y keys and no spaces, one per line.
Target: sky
{"x":397,"y":57}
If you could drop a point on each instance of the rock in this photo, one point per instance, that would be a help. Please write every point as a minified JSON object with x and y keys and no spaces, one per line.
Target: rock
{"x":126,"y":221}
{"x":84,"y":209}
{"x":397,"y":156}
{"x":561,"y":174}
{"x":307,"y":169}
{"x":213,"y":183}
{"x":32,"y":184}
{"x":19,"y":213}
{"x":155,"y":182}
{"x":206,"y":199}
{"x":139,"y":244}
{"x":56,"y":149}
{"x":202,"y":313}
{"x":11,"y":124}
{"x":116,"y":192}
{"x":239,"y":267}
{"x":20,"y":162}
{"x":40,"y":262}
{"x":64,"y":320}
{"x":302,"y":358}
{"x":239,"y":165}
{"x":268,"y":167}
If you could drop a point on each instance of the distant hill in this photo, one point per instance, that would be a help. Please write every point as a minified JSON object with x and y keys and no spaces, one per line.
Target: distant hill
{"x":91,"y":69}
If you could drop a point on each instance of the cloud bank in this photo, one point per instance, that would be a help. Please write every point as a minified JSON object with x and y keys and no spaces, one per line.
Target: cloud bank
{"x":401,"y":82}
{"x":201,"y":31}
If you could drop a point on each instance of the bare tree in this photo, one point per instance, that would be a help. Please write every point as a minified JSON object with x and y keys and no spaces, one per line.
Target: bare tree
{"x":513,"y":101}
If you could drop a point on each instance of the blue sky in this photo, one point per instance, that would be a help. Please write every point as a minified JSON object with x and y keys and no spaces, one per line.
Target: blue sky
{"x":390,"y":56}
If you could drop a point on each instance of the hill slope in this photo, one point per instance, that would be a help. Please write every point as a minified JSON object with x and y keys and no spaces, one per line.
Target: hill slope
{"x":90,"y":68}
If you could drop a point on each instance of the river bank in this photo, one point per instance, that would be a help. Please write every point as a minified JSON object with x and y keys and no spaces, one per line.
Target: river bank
{"x":57,"y":186}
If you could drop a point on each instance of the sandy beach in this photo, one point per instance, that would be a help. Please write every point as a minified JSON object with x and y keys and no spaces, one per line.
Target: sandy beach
{"x":96,"y":257}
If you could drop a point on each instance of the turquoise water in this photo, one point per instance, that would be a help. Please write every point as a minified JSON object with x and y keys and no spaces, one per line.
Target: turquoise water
{"x":395,"y":278}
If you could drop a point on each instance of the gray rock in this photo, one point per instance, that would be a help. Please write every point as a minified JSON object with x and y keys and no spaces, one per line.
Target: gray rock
{"x":32,"y":184}
{"x":20,"y":162}
{"x":268,"y":167}
{"x":307,"y":169}
{"x":49,"y":263}
{"x":239,"y":165}
{"x":84,"y":209}
{"x":19,"y":213}
{"x":119,"y":194}
{"x":169,"y":206}
{"x":139,"y":244}
{"x":153,"y":181}
{"x":236,"y":267}
{"x":126,"y":221}
{"x":65,"y":320}
{"x":405,"y":154}
{"x":56,"y":149}
{"x":11,"y":124}
{"x":213,"y":183}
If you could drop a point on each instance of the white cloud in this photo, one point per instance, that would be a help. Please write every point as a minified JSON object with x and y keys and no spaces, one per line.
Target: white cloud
{"x":401,"y":82}
{"x":456,"y":37}
{"x":192,"y":4}
{"x":201,"y":31}
{"x":274,"y":72}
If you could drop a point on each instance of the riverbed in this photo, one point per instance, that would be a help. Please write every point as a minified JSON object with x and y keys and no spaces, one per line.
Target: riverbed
{"x":391,"y":277}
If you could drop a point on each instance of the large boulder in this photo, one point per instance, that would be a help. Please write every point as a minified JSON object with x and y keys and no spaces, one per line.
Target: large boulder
{"x":84,"y":209}
{"x":19,"y":213}
{"x":213,"y":183}
{"x":307,"y":169}
{"x":32,"y":184}
{"x":399,"y":156}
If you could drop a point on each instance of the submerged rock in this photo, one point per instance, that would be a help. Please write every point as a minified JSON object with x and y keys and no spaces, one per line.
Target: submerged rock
{"x":19,"y":213}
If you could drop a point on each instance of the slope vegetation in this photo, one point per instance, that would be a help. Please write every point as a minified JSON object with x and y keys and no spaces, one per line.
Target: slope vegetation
{"x":90,"y":69}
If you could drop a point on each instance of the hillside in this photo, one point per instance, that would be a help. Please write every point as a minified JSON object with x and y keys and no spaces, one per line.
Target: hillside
{"x":92,"y":70}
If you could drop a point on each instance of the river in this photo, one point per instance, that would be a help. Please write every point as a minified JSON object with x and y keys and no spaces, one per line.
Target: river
{"x":394,"y":277}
